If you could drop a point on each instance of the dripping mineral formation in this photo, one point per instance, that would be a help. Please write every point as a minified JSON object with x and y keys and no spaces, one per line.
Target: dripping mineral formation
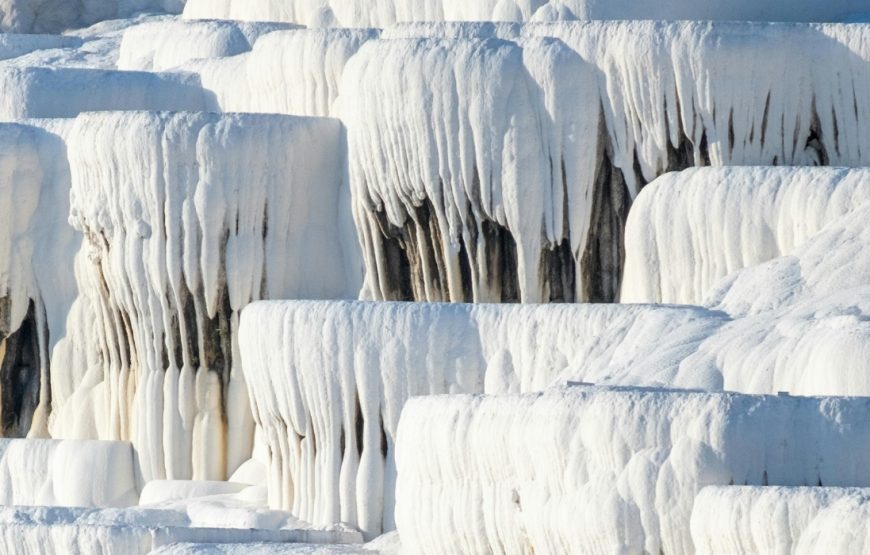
{"x":204,"y":223}
{"x":178,"y":241}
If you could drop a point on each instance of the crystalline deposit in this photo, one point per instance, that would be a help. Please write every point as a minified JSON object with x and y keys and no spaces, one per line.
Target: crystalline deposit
{"x":451,"y":205}
{"x":798,"y":520}
{"x":188,"y":217}
{"x":328,"y":380}
{"x":517,"y":473}
{"x":460,"y":195}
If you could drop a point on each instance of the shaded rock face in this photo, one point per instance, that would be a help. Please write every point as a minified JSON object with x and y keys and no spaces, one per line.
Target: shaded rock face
{"x":522,"y":194}
{"x":19,"y":373}
{"x":220,"y":210}
{"x":36,"y":286}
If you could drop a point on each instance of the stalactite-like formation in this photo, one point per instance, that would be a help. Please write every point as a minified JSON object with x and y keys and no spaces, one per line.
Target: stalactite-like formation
{"x":328,"y":380}
{"x":188,"y":217}
{"x":36,"y":290}
{"x":522,"y":193}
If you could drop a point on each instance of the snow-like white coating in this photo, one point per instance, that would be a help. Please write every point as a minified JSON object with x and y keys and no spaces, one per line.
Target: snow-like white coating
{"x":66,"y":473}
{"x":43,"y":92}
{"x":426,"y":151}
{"x":188,"y":217}
{"x":135,"y":531}
{"x":328,"y":380}
{"x":164,"y":44}
{"x":833,"y":260}
{"x":517,"y":473}
{"x":798,"y":520}
{"x":380,"y":13}
{"x":688,"y":230}
{"x":489,"y":161}
{"x":288,"y":72}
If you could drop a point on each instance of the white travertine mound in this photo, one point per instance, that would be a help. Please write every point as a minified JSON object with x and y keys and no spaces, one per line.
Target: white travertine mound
{"x":188,"y":217}
{"x":519,"y":472}
{"x":451,"y":205}
{"x":328,"y":380}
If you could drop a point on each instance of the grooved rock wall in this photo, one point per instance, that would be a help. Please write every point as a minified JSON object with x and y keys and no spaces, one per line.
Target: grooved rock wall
{"x":328,"y":380}
{"x":187,"y":218}
{"x":522,"y":193}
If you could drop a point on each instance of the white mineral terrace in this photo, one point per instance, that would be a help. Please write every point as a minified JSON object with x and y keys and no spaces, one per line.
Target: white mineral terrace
{"x":210,"y":210}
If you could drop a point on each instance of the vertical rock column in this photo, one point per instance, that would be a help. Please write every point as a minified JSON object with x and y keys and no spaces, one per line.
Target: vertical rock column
{"x":188,"y":217}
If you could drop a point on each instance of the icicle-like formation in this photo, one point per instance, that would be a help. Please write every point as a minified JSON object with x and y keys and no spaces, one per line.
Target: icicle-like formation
{"x":42,"y":92}
{"x":379,"y":13}
{"x":431,"y":161}
{"x":164,"y":44}
{"x":518,"y":473}
{"x":795,"y":520}
{"x":288,"y":72}
{"x":37,"y":247}
{"x":467,"y":168}
{"x":688,"y":230}
{"x":328,"y":379}
{"x":189,"y":217}
{"x":67,"y":473}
